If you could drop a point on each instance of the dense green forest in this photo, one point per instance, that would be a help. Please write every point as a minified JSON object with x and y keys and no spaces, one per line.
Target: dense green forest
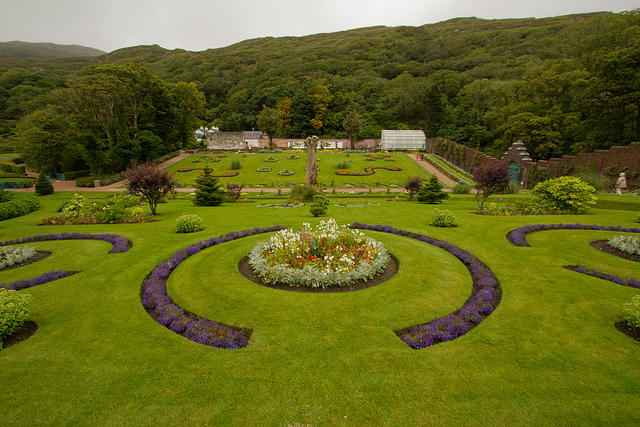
{"x":563,"y":85}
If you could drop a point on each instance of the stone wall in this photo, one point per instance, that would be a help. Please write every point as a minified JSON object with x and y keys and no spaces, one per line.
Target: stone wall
{"x":225,"y":141}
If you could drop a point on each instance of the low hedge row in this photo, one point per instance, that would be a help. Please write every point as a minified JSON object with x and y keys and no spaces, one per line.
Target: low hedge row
{"x":17,"y":204}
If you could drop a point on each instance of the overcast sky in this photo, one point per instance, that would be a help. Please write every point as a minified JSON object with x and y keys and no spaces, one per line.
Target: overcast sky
{"x":201,"y":24}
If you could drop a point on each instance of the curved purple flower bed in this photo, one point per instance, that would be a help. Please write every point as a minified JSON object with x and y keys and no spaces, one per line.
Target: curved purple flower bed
{"x":485,"y":296}
{"x":120,"y":244}
{"x":165,"y":311}
{"x":40,"y":280}
{"x":518,"y":237}
{"x":624,"y":281}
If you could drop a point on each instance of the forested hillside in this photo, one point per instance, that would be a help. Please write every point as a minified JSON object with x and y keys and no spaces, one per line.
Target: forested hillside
{"x":563,"y":85}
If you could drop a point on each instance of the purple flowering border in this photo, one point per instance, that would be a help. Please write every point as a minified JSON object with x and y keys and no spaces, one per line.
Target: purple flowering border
{"x":624,"y":281}
{"x":162,"y":308}
{"x":120,"y":245}
{"x":518,"y":237}
{"x":37,"y":281}
{"x":484,"y":299}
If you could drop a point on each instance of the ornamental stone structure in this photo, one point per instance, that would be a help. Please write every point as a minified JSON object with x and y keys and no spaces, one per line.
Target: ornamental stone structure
{"x":518,"y":158}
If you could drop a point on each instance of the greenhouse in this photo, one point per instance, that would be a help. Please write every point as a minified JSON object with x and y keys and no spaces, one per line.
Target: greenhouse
{"x":403,"y":140}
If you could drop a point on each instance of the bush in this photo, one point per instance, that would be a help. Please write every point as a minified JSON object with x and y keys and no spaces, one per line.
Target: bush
{"x":342,"y":165}
{"x":461,"y":188}
{"x":412,"y":185}
{"x":442,"y":218}
{"x":632,"y":312}
{"x":320,"y":206}
{"x":13,"y":311}
{"x":18,"y":160}
{"x":594,"y":179}
{"x":18,"y":204}
{"x":236,"y":164}
{"x":566,"y":194}
{"x":209,"y":192}
{"x":234,"y":191}
{"x":431,"y":191}
{"x":85,"y":181}
{"x":188,"y":223}
{"x":43,"y":186}
{"x":69,"y":176}
{"x":302,"y":194}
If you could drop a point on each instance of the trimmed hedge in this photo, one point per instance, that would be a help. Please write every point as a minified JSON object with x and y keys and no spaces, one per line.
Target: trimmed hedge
{"x":17,"y":204}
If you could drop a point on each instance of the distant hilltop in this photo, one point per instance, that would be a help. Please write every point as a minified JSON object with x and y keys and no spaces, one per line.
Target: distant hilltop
{"x":23,"y":50}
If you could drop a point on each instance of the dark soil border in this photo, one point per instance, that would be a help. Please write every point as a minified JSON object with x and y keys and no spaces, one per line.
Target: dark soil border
{"x":630,"y":331}
{"x":40,"y":255}
{"x":387,"y":273}
{"x":603,"y":246}
{"x":23,"y":332}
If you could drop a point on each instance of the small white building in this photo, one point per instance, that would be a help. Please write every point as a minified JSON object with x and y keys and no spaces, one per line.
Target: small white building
{"x":403,"y":140}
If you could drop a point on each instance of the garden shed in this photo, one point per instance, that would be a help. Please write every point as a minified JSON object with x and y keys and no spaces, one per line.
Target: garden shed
{"x":403,"y":140}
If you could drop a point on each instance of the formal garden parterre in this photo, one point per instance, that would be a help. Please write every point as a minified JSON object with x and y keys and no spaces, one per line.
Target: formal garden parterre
{"x":563,"y":322}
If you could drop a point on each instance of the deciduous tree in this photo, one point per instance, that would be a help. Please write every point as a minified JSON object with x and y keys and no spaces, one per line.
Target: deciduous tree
{"x":151,"y":183}
{"x":490,"y":178}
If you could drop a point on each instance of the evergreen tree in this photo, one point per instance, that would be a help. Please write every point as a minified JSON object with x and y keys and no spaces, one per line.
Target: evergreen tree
{"x":431,"y":191}
{"x":43,"y":186}
{"x":209,"y":192}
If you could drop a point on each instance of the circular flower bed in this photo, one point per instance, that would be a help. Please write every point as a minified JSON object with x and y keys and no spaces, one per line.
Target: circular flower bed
{"x":327,"y":256}
{"x":264,"y":170}
{"x":293,"y":157}
{"x":286,"y":172}
{"x":270,"y":159}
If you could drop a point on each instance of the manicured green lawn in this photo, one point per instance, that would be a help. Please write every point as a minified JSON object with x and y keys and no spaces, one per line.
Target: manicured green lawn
{"x":328,"y":162}
{"x":548,"y":355}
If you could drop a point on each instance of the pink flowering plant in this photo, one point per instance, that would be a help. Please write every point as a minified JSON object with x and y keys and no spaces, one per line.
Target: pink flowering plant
{"x":326,"y":256}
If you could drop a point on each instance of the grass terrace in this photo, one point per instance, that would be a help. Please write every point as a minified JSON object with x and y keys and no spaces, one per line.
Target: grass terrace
{"x":548,"y":353}
{"x":358,"y":173}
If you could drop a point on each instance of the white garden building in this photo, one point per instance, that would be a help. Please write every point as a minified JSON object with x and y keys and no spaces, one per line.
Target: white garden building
{"x":403,"y":140}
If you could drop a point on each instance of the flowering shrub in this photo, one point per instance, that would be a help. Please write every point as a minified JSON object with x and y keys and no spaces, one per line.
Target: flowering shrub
{"x":327,"y":256}
{"x":484,"y":298}
{"x":518,"y":236}
{"x":154,"y":297}
{"x":13,"y":311}
{"x":188,"y":223}
{"x":111,"y":210}
{"x":442,"y":218}
{"x":626,"y":244}
{"x":10,"y":256}
{"x":632,"y":312}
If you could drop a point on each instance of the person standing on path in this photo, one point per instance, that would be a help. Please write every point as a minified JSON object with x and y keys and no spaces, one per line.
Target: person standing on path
{"x":621,"y":183}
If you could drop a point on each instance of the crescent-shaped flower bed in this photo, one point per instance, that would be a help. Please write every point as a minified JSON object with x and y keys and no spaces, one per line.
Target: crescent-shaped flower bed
{"x":367,"y":171}
{"x":324,"y":257}
{"x":164,"y":310}
{"x":624,"y":281}
{"x":120,"y":245}
{"x":518,"y":237}
{"x":225,"y":174}
{"x":485,"y":296}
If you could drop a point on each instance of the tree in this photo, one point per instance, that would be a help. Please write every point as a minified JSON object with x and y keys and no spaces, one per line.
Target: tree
{"x":319,"y":97}
{"x":150,"y":183}
{"x":311,"y":179}
{"x":412,"y":185}
{"x":490,"y":178}
{"x":352,"y":124}
{"x":209,"y":191}
{"x":269,"y":121}
{"x":190,"y":103}
{"x":431,"y":191}
{"x":43,"y":186}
